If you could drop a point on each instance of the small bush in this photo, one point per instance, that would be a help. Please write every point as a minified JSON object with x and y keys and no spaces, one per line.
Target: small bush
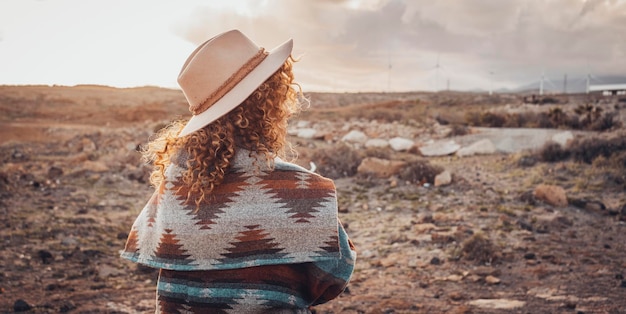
{"x":458,"y":130}
{"x":552,"y":152}
{"x":337,"y":162}
{"x":588,"y":150}
{"x":420,"y":171}
{"x":606,"y":122}
{"x":480,"y":249}
{"x":493,"y":120}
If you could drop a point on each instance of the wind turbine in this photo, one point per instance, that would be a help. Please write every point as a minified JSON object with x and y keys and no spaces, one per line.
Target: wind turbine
{"x":437,"y":68}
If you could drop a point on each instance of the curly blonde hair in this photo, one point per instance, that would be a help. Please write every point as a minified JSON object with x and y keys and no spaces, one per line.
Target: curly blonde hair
{"x":258,"y":124}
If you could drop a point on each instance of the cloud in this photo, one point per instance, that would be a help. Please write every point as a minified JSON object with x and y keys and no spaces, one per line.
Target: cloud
{"x":361,"y":45}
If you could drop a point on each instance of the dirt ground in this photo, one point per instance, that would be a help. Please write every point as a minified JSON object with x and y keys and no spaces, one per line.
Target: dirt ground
{"x":72,"y":182}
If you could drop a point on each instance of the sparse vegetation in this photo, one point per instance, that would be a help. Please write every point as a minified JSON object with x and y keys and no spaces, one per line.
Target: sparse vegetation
{"x":339,"y":161}
{"x":480,"y":249}
{"x":584,"y":117}
{"x":420,"y":171}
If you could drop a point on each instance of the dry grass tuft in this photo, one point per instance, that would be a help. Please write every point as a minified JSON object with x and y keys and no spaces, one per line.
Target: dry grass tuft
{"x":480,"y":249}
{"x":338,"y":161}
{"x":420,"y":171}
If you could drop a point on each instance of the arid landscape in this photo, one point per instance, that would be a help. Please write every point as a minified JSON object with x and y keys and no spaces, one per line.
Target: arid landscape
{"x":456,"y":202}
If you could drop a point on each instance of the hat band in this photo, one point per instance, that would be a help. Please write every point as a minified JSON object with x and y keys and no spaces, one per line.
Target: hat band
{"x":233,"y":80}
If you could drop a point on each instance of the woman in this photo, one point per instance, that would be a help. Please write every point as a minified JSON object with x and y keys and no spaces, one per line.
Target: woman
{"x":232,"y":227}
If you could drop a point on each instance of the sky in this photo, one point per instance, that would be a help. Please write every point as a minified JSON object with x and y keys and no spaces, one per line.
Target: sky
{"x":342,"y":45}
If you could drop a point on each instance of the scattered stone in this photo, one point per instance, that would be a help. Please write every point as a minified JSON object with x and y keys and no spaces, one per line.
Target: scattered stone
{"x":21,"y":306}
{"x":69,"y":241}
{"x":376,"y":143}
{"x":443,"y":178}
{"x":105,"y":271}
{"x":485,"y":271}
{"x":551,"y":194}
{"x":54,"y":173}
{"x":492,"y":280}
{"x":456,"y":296}
{"x":355,"y":136}
{"x":435,"y":261}
{"x":94,"y":166}
{"x":503,"y":304}
{"x":442,"y":148}
{"x":482,"y":147}
{"x":400,"y":144}
{"x":307,"y":133}
{"x":45,"y":256}
{"x":530,"y":255}
{"x":381,"y":168}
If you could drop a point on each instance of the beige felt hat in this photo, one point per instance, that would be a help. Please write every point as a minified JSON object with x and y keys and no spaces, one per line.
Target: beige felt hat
{"x":222,"y":72}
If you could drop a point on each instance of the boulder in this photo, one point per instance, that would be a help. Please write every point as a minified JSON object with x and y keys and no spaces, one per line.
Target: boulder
{"x":376,"y":143}
{"x":482,"y":147}
{"x":306,"y":133}
{"x":355,"y":136}
{"x":443,"y":178}
{"x":503,"y":304}
{"x":441,"y":148}
{"x":401,"y":144}
{"x":381,"y":168}
{"x":551,"y":194}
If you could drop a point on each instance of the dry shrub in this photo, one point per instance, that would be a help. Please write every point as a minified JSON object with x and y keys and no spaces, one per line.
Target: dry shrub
{"x":420,"y":171}
{"x":588,"y":150}
{"x":552,"y":152}
{"x":458,"y":130}
{"x":493,"y":120}
{"x":480,"y":249}
{"x":336,"y":162}
{"x":606,"y":122}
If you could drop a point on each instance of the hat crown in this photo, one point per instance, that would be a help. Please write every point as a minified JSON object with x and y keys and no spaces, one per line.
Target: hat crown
{"x":209,"y":69}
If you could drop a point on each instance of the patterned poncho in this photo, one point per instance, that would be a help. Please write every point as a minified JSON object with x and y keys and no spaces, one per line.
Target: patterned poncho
{"x":258,"y":216}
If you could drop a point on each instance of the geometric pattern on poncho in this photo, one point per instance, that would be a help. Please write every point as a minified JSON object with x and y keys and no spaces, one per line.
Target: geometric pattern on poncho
{"x":257,"y":216}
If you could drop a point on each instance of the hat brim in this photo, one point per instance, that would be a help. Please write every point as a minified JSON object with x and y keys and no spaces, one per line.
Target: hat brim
{"x":272,"y":62}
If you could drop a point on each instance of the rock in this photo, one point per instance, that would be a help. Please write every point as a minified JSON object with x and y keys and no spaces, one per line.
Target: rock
{"x":307,"y":133}
{"x":435,"y":261}
{"x":442,"y":148}
{"x":94,"y":166}
{"x":105,"y":271}
{"x":376,"y":143}
{"x":54,"y":173}
{"x":45,"y":256}
{"x":492,"y":280}
{"x":355,"y":136}
{"x":551,"y":194}
{"x":21,"y":306}
{"x":400,"y":144}
{"x":563,"y":138}
{"x":443,"y":178}
{"x":482,"y":147}
{"x":530,"y":255}
{"x":381,"y":168}
{"x":504,"y":304}
{"x":87,"y":145}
